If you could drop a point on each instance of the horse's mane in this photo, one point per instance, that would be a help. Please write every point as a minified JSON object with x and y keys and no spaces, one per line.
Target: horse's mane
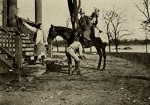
{"x":65,"y":32}
{"x":63,"y":28}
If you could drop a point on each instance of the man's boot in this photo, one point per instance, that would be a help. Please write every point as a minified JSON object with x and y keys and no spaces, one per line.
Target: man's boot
{"x":42,"y":58}
{"x":78,"y":68}
{"x":70,"y":69}
{"x":35,"y":59}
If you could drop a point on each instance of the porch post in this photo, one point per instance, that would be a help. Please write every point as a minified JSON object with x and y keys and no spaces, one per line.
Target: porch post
{"x":50,"y":48}
{"x":38,"y":11}
{"x":11,"y":11}
{"x":18,"y":57}
{"x":18,"y":52}
{"x":4,"y":13}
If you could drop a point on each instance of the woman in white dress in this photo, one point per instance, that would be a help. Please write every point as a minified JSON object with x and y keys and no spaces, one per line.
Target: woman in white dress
{"x":40,"y":42}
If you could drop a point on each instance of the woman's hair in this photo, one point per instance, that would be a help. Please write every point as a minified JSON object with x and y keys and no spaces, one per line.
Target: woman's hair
{"x":38,"y":25}
{"x":94,"y":14}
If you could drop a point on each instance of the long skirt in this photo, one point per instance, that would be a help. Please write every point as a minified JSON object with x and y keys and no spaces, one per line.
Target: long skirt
{"x":40,"y":50}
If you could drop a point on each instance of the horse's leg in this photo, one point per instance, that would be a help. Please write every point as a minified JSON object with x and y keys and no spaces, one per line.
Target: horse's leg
{"x":78,"y":68}
{"x":100,"y":56}
{"x":69,"y":63}
{"x":104,"y":56}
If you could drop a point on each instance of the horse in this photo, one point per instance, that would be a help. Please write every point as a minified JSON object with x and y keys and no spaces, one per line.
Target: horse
{"x":69,"y":34}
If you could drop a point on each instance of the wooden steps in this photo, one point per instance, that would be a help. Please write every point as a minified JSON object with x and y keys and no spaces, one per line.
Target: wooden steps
{"x":7,"y":61}
{"x":7,"y":55}
{"x":27,"y":49}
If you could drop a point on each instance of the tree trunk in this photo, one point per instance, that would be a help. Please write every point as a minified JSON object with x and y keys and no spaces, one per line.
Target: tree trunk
{"x":109,"y":43}
{"x":116,"y":45}
{"x":109,"y":46}
{"x":115,"y":42}
{"x":116,"y":48}
{"x":74,"y":9}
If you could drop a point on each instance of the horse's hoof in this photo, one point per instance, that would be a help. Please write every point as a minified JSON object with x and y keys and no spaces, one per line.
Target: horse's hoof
{"x":78,"y":73}
{"x":103,"y":68}
{"x":98,"y":68}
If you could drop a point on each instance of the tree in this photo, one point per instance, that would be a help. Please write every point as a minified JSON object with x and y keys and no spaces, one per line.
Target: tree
{"x":107,"y":16}
{"x":74,"y":7}
{"x":115,"y":27}
{"x":144,"y":9}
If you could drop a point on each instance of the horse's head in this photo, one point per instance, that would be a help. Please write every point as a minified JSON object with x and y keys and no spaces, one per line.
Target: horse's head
{"x":52,"y":34}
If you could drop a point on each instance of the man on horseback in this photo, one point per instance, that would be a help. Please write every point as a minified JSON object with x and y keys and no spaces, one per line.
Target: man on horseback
{"x":88,"y":23}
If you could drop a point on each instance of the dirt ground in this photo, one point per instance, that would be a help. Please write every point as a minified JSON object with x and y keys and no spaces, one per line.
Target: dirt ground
{"x":122,"y":83}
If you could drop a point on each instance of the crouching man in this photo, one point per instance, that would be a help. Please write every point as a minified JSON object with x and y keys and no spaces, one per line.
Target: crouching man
{"x":75,"y":51}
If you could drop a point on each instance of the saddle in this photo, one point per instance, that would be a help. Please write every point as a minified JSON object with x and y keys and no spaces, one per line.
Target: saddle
{"x":86,"y":34}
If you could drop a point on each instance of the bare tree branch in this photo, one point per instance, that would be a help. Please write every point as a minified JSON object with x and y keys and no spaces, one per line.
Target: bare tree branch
{"x":142,"y":11}
{"x":115,"y":26}
{"x":124,"y":35}
{"x":147,"y":8}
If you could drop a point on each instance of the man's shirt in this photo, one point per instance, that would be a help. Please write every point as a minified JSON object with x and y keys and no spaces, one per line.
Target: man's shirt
{"x":76,"y":46}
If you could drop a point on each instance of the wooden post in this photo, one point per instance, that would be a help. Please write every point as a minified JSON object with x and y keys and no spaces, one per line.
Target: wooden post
{"x":18,"y":52}
{"x":18,"y":57}
{"x":57,"y":45}
{"x":4,"y":13}
{"x":38,"y":11}
{"x":11,"y":10}
{"x":50,"y":54}
{"x":90,"y":49}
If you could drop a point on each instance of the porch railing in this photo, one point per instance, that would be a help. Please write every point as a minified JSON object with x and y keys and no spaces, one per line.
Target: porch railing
{"x":7,"y":41}
{"x":11,"y":43}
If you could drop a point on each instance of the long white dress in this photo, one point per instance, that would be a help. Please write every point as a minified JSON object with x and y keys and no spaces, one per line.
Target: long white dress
{"x":40,"y":43}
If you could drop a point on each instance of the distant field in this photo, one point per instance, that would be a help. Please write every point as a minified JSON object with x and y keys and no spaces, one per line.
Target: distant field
{"x":134,"y":48}
{"x":136,"y":54}
{"x":141,"y":58}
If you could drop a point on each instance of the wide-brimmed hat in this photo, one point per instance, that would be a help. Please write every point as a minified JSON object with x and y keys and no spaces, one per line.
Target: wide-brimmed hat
{"x":81,"y":12}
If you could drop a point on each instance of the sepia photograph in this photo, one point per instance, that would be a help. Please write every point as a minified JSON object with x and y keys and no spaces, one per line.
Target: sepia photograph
{"x":74,"y":52}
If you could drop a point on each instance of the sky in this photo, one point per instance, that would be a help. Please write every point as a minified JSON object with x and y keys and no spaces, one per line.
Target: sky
{"x":56,"y":12}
